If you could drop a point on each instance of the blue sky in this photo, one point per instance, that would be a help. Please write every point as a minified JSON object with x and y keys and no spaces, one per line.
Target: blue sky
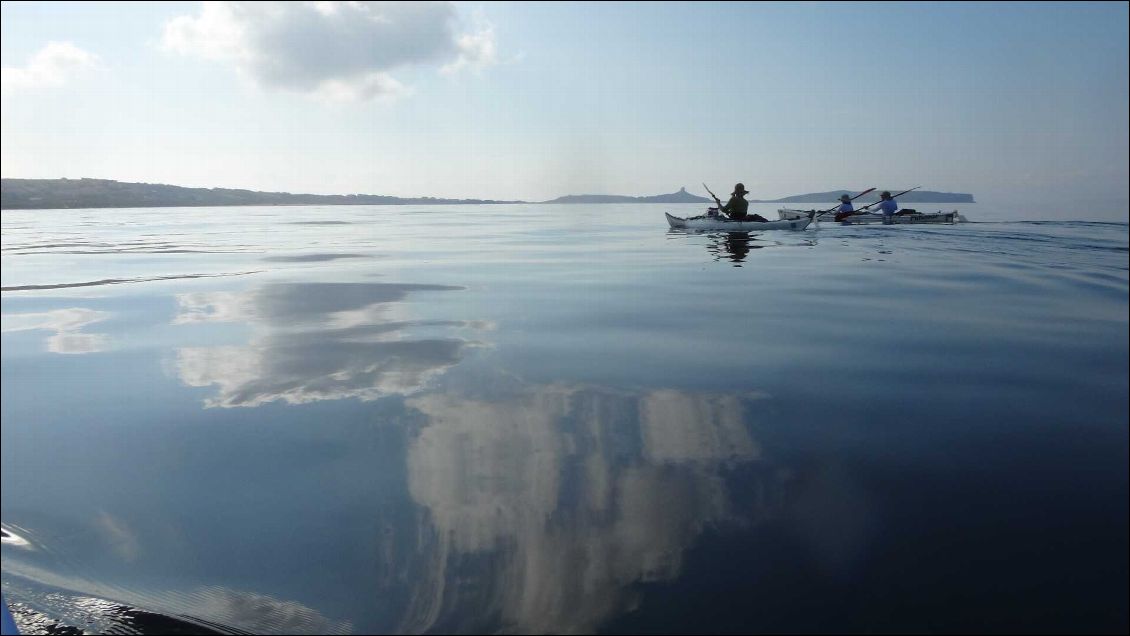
{"x":1024,"y":103}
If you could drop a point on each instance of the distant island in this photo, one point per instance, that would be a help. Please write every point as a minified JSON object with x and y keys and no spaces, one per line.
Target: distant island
{"x":50,"y":194}
{"x":682,"y":196}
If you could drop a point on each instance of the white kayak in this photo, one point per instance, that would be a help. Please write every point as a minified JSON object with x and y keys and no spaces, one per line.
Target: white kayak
{"x":866,"y":219}
{"x":722,"y":223}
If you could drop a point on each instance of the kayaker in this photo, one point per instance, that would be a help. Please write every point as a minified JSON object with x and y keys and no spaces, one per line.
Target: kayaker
{"x":737,"y":207}
{"x":845,"y":208}
{"x":887,"y":206}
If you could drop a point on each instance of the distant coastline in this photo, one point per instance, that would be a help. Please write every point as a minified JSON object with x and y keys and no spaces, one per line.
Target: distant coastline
{"x":25,"y":194}
{"x":31,"y":194}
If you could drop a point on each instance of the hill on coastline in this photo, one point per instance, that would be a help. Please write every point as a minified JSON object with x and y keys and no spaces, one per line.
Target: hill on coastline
{"x":682,"y":196}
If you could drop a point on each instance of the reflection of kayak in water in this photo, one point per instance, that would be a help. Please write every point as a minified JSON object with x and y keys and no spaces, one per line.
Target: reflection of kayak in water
{"x":721,"y":223}
{"x":913,"y":218}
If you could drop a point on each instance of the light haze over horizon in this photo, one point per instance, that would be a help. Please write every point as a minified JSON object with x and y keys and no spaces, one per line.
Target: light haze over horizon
{"x":1022,"y":105}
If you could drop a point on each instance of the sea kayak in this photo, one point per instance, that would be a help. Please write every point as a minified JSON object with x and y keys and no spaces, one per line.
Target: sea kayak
{"x":722,"y":223}
{"x":7,"y":625}
{"x":865,"y":219}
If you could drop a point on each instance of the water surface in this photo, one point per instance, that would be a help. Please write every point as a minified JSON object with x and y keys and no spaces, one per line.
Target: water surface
{"x":561,"y":418}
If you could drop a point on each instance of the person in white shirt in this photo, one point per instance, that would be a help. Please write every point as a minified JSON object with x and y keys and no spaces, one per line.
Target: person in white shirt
{"x":887,"y":206}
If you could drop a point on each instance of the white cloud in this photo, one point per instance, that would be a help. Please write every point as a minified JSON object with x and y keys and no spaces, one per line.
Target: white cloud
{"x":54,"y":65}
{"x":476,"y":51}
{"x":332,"y":50}
{"x":373,"y":85}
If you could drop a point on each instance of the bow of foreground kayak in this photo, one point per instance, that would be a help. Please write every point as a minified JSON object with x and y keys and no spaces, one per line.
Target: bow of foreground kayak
{"x":719,"y":223}
{"x":7,"y":624}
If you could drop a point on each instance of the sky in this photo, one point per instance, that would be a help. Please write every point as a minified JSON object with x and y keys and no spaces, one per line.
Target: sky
{"x":1021,"y":104}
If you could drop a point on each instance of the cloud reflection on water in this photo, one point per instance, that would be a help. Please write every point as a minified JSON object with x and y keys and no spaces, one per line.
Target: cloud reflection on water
{"x":317,"y":341}
{"x":67,"y":324}
{"x":546,"y":509}
{"x":537,"y":508}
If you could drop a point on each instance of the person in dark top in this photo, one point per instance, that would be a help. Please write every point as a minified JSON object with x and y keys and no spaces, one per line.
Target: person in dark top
{"x":737,"y":207}
{"x":845,"y":209}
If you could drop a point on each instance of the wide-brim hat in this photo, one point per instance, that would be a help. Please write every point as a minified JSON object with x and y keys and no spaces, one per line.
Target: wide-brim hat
{"x":740,"y":189}
{"x":844,"y":197}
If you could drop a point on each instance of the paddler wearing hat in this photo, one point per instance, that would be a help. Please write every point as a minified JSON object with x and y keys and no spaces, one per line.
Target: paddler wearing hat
{"x":846,"y":207}
{"x":737,"y":207}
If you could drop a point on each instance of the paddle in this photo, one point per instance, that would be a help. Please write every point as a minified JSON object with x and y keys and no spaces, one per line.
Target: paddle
{"x":716,"y":200}
{"x":715,"y":196}
{"x":823,"y":212}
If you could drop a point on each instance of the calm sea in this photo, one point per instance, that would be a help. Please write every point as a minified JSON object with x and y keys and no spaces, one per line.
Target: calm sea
{"x":540,"y":418}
